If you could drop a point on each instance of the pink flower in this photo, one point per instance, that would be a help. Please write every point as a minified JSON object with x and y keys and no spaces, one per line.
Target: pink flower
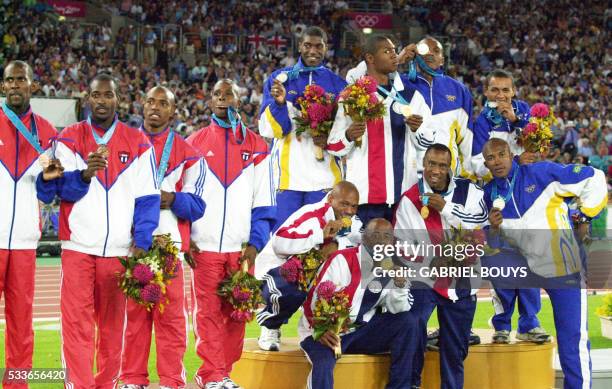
{"x":368,"y":83}
{"x":171,"y":265}
{"x":540,"y":110}
{"x":373,"y":100}
{"x":240,"y":295}
{"x":241,"y":316}
{"x":530,"y":128}
{"x":326,"y":290}
{"x":151,"y":293}
{"x":291,"y":269}
{"x":143,"y":274}
{"x":315,"y":90}
{"x":318,"y":113}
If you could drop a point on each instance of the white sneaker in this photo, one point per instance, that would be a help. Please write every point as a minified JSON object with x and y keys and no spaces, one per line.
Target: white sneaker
{"x":214,"y":385}
{"x":269,"y":340}
{"x":133,"y":386}
{"x":229,"y":384}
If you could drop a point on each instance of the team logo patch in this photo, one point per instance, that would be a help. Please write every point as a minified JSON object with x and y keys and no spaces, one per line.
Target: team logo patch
{"x":577,"y":169}
{"x":530,"y":188}
{"x":292,"y":92}
{"x":124,"y":157}
{"x":451,"y":98}
{"x":246,"y":155}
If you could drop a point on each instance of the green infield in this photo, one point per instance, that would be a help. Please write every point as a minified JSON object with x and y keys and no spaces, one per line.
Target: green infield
{"x":47,"y":339}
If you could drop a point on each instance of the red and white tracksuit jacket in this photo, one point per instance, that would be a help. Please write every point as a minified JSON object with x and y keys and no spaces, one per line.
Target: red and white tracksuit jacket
{"x":99,"y":221}
{"x":344,"y":269}
{"x":301,"y":232}
{"x":184,"y":177}
{"x":19,"y":168}
{"x":98,"y":218}
{"x":239,"y":185}
{"x":385,"y":164}
{"x":465,"y":208}
{"x":20,"y":227}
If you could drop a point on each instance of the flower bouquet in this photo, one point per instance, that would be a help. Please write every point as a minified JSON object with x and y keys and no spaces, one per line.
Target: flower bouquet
{"x":536,"y":135}
{"x":457,"y":241}
{"x":317,"y":113}
{"x":361,"y":103}
{"x":301,"y":269}
{"x":243,"y":292}
{"x":145,"y":278}
{"x":331,"y":312}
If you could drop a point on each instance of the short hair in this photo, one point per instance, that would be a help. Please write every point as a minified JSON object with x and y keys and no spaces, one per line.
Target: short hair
{"x":21,"y":64}
{"x":498,"y":73}
{"x":231,"y":82}
{"x":105,"y":77}
{"x":371,"y":44}
{"x":166,"y":89}
{"x":315,"y":31}
{"x":438,"y":147}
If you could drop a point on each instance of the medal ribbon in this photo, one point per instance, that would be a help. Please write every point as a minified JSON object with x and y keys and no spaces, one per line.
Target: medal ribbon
{"x":103,"y":141}
{"x":494,"y":194}
{"x":30,"y":136}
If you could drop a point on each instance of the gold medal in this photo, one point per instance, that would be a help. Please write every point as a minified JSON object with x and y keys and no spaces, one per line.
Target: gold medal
{"x":346,"y":222}
{"x":386,"y":264}
{"x":103,"y":150}
{"x":424,"y":212}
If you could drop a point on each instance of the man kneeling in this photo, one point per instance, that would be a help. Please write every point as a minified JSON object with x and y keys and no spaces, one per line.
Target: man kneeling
{"x":379,"y":310}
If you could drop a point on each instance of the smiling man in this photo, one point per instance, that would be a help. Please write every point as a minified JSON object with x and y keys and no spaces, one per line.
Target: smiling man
{"x":437,"y":203}
{"x":109,"y":206}
{"x":180,"y":176}
{"x":301,"y":177}
{"x":314,"y":226}
{"x":24,"y":135}
{"x":527,"y":212}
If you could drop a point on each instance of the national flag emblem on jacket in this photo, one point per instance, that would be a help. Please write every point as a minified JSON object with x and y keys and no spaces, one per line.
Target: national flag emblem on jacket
{"x":124,"y":156}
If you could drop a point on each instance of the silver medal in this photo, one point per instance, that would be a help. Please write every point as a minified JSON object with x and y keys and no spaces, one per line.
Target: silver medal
{"x":281,"y":77}
{"x":499,"y":203}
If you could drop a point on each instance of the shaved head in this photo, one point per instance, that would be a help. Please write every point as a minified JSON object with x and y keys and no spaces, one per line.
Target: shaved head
{"x":344,"y":199}
{"x":494,"y":143}
{"x":497,"y":157}
{"x":344,"y":187}
{"x":378,"y":231}
{"x":23,"y":65}
{"x":168,"y":92}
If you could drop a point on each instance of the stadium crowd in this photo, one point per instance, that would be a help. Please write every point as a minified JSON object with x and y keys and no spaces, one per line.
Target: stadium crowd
{"x":396,"y":160}
{"x":560,"y":55}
